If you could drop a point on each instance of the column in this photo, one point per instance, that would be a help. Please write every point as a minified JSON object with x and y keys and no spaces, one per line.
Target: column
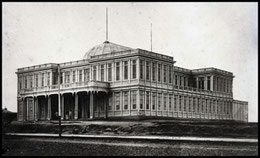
{"x":63,"y":77}
{"x":49,"y":108}
{"x":62,"y":106}
{"x":91,"y":106}
{"x":51,"y":77}
{"x":76,"y":106}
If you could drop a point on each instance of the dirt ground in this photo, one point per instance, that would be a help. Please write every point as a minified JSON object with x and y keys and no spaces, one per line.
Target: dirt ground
{"x":144,"y":127}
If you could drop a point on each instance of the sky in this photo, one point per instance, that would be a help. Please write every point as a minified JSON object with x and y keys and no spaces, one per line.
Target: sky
{"x":197,"y":35}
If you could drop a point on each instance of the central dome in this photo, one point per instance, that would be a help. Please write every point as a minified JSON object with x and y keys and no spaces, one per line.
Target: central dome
{"x":105,"y":48}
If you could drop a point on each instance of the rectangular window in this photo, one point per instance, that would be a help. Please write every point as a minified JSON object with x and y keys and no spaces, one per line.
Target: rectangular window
{"x":184,"y":81}
{"x":80,"y":75}
{"x":153,"y":101}
{"x":198,"y":105}
{"x":86,"y":75}
{"x":42,"y":79}
{"x":102,"y":73}
{"x":141,"y":69}
{"x":180,"y":77}
{"x":170,"y":74}
{"x":185,"y":105}
{"x":206,"y":106}
{"x":67,"y":77}
{"x":165,"y":102}
{"x":134,"y":69}
{"x":31,"y":81}
{"x":159,"y":101}
{"x":125,"y":70}
{"x":117,"y":71}
{"x":176,"y":79}
{"x":141,"y":99}
{"x":110,"y":102}
{"x":134,"y":99}
{"x":164,"y":73}
{"x":190,"y":101}
{"x":147,"y":70}
{"x":117,"y":95}
{"x":180,"y":102}
{"x":94,"y":73}
{"x":125,"y":100}
{"x":36,"y":80}
{"x":147,"y":100}
{"x":154,"y":72}
{"x":175,"y":103}
{"x":202,"y":105}
{"x":170,"y":102}
{"x":194,"y":104}
{"x":61,"y":77}
{"x":159,"y":73}
{"x":208,"y":83}
{"x":48,"y":78}
{"x":74,"y":76}
{"x":109,"y":72}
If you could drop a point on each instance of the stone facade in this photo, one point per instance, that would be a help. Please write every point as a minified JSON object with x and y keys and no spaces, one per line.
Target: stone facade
{"x":118,"y":81}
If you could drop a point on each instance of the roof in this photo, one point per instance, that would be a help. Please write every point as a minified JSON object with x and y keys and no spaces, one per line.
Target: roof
{"x":105,"y":48}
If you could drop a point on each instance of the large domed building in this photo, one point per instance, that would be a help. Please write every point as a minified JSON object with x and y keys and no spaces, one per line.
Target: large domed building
{"x":114,"y":81}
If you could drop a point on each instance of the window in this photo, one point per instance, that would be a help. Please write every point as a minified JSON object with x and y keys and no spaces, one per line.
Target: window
{"x":134,"y":69}
{"x":184,"y":81}
{"x":159,"y":73}
{"x":147,"y":100}
{"x":180,"y":77}
{"x":74,"y":76}
{"x":134,"y":99}
{"x":125,"y":70}
{"x":141,"y":99}
{"x":94,"y":73}
{"x":184,"y":102}
{"x":180,"y":102}
{"x":194,"y":104}
{"x":67,"y":77}
{"x":165,"y":102}
{"x":208,"y":83}
{"x":125,"y":100}
{"x":153,"y":101}
{"x":164,"y":73}
{"x":206,"y":106}
{"x":159,"y":101}
{"x":190,"y":102}
{"x":170,"y":74}
{"x":175,"y":103}
{"x":170,"y":102}
{"x":213,"y":106}
{"x":147,"y":70}
{"x":176,"y":79}
{"x":110,"y":102}
{"x":61,"y":77}
{"x":102,"y":73}
{"x":31,"y":81}
{"x":80,"y":75}
{"x":198,"y":105}
{"x":36,"y":80}
{"x":141,"y":69}
{"x":42,"y":79}
{"x":154,"y":71}
{"x":117,"y":95}
{"x":117,"y":71}
{"x":109,"y":72}
{"x":202,"y":105}
{"x":86,"y":75}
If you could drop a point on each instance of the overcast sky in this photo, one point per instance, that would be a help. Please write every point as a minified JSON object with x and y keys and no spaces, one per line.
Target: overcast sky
{"x":197,"y":35}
